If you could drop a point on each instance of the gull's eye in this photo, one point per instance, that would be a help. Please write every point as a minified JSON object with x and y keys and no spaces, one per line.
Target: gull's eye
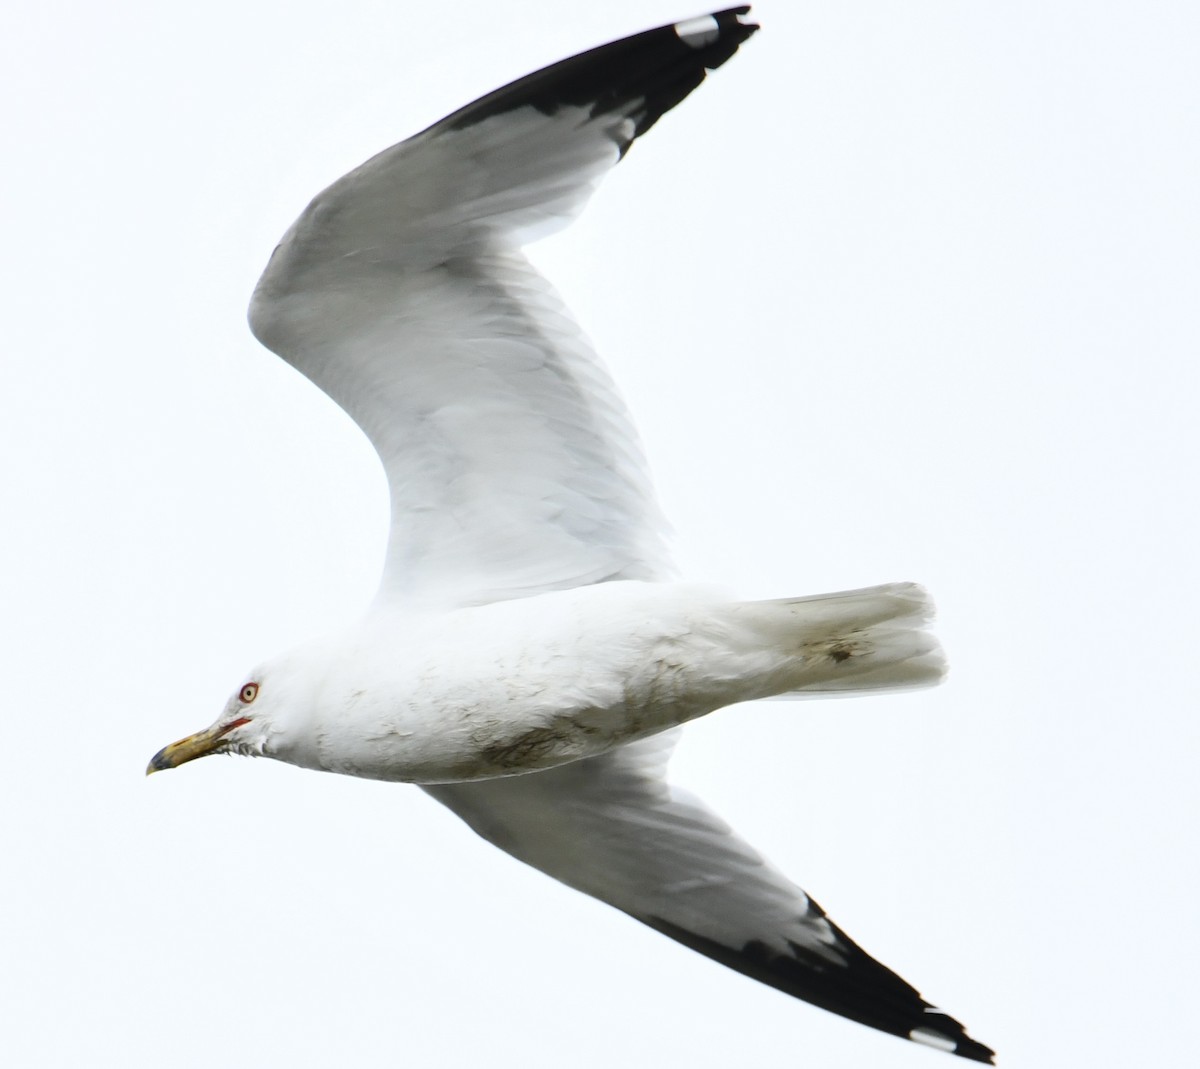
{"x":248,"y":693}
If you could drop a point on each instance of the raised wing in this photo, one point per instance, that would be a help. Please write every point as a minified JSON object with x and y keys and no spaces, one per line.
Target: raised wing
{"x":613,"y":828}
{"x":512,"y":465}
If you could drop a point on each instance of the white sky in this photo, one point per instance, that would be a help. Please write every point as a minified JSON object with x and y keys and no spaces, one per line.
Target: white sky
{"x":904,"y":292}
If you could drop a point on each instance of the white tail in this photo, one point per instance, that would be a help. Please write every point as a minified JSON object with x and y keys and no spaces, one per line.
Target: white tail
{"x":855,"y":640}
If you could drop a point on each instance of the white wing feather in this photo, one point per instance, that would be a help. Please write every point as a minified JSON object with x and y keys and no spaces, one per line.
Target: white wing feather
{"x":614,"y":828}
{"x":512,"y":465}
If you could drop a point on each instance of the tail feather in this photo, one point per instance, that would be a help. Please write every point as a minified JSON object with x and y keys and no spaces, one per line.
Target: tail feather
{"x":875,"y":639}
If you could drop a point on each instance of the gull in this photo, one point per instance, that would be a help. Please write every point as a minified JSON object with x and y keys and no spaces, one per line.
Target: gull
{"x":530,"y":653}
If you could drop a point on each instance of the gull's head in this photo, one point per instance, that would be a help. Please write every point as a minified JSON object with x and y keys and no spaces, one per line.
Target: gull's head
{"x":243,"y":728}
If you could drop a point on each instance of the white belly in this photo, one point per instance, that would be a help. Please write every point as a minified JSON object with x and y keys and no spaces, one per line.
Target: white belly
{"x":525,"y":685}
{"x":517,"y":686}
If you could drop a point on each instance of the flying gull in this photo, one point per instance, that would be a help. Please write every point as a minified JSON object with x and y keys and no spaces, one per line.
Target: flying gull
{"x":530,"y":652}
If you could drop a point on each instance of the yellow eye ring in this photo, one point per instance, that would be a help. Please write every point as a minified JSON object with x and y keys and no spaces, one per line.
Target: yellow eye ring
{"x":248,"y":693}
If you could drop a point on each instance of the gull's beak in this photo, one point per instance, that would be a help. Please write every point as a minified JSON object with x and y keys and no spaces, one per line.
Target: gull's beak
{"x":203,"y":743}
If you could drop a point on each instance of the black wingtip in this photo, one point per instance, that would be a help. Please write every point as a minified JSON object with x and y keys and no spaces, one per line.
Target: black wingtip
{"x":657,"y":68}
{"x":976,"y":1052}
{"x":859,"y":988}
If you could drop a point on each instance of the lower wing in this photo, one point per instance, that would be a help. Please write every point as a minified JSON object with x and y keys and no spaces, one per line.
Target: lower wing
{"x":613,"y":828}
